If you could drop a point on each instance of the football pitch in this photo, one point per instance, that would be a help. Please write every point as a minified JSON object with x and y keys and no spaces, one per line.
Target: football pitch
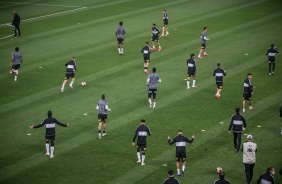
{"x":240,"y":32}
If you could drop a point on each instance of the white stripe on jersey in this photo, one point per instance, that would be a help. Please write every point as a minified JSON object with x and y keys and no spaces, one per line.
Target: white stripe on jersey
{"x":236,"y":122}
{"x":141,"y":133}
{"x":271,"y":54}
{"x":180,"y":143}
{"x":145,"y":52}
{"x":70,"y":66}
{"x":218,"y":74}
{"x":51,"y":125}
{"x":246,"y":85}
{"x":190,"y":65}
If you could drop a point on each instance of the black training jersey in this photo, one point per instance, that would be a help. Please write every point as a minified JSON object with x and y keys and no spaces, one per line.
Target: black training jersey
{"x":191,"y":63}
{"x":71,"y":66}
{"x":180,"y":142}
{"x":146,"y":50}
{"x":266,"y":178}
{"x":16,"y":20}
{"x":219,"y":73}
{"x":142,"y":132}
{"x":248,"y":88}
{"x":237,"y":122}
{"x":50,"y":124}
{"x":171,"y":180}
{"x":221,"y":181}
{"x":271,"y":53}
{"x":155,"y":31}
{"x":165,"y":17}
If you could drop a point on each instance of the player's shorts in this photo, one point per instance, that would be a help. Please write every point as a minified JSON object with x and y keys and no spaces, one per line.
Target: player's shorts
{"x":271,"y":61}
{"x":152,"y":91}
{"x":120,"y":40}
{"x":180,"y":156}
{"x":155,"y":38}
{"x":16,"y":67}
{"x":147,"y":58}
{"x":191,"y":73}
{"x":165,"y":22}
{"x":247,"y":96}
{"x":50,"y":138}
{"x":102,"y":117}
{"x":141,"y":146}
{"x":219,"y":85}
{"x":203,"y":46}
{"x":68,"y":75}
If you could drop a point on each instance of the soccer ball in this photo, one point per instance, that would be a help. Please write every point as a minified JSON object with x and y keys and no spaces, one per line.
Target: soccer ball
{"x":218,"y":170}
{"x":83,"y":83}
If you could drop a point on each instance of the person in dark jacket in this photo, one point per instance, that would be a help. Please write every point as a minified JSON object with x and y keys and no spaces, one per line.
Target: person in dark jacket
{"x":267,"y":178}
{"x":16,"y":23}
{"x":221,"y":179}
{"x":171,"y":179}
{"x":238,"y":123}
{"x":271,"y":58}
{"x":50,"y":124}
{"x":180,"y":142}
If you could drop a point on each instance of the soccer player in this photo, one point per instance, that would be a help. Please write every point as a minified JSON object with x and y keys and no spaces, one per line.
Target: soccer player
{"x":120,"y":32}
{"x":271,"y":58}
{"x":221,"y":179}
{"x":146,"y":54}
{"x":238,"y":123}
{"x":50,"y":124}
{"x":180,"y":142}
{"x":103,"y":109}
{"x":165,"y":21}
{"x":219,"y":73}
{"x":152,"y":82}
{"x":249,"y":157}
{"x":16,"y":62}
{"x":191,"y":63}
{"x":71,"y":68}
{"x":267,"y":178}
{"x":204,"y":38}
{"x":142,"y":132}
{"x":248,"y":92}
{"x":155,"y":37}
{"x":171,"y":179}
{"x":16,"y":23}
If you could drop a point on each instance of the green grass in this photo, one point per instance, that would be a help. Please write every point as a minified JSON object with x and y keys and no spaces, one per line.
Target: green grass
{"x":234,"y":27}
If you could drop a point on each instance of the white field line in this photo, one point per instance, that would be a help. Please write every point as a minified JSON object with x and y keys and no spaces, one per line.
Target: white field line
{"x":40,"y":4}
{"x":6,"y":37}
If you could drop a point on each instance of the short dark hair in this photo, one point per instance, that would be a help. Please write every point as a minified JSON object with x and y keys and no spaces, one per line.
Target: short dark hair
{"x":49,"y":113}
{"x":154,"y":70}
{"x":205,"y":28}
{"x":170,"y":172}
{"x":142,"y":120}
{"x":120,"y":23}
{"x":218,"y":64}
{"x":164,"y":10}
{"x":103,"y":96}
{"x":147,"y":42}
{"x":237,"y":109}
{"x":272,"y":45}
{"x":249,"y":74}
{"x":191,"y":55}
{"x":221,"y":175}
{"x":154,"y":24}
{"x":17,"y":49}
{"x":179,"y":130}
{"x":269,"y":169}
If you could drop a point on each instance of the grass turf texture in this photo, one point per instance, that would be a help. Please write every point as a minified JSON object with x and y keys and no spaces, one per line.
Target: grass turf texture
{"x":234,"y":27}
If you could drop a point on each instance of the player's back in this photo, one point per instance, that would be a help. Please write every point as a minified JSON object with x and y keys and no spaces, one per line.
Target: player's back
{"x":120,"y":32}
{"x":153,"y":80}
{"x":219,"y":73}
{"x":71,"y":66}
{"x":191,"y":63}
{"x":17,"y":58}
{"x":143,"y":131}
{"x":102,"y":107}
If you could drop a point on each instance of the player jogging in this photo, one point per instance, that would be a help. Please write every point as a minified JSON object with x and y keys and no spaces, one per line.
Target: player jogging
{"x":120,"y":32}
{"x":71,"y":68}
{"x":16,"y":62}
{"x":146,"y":54}
{"x":142,"y":132}
{"x":155,"y":37}
{"x":165,"y":21}
{"x":152,"y":82}
{"x":103,"y":109}
{"x":191,"y":63}
{"x":204,"y":38}
{"x":271,"y":58}
{"x":248,"y":92}
{"x":180,"y":142}
{"x":50,"y":124}
{"x":219,"y":73}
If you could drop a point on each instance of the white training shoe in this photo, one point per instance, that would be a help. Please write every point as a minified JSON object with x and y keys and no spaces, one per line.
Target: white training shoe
{"x":188,"y":87}
{"x":104,"y":134}
{"x":62,"y":90}
{"x":244,"y":110}
{"x":150,"y":106}
{"x":71,"y":86}
{"x":142,"y":163}
{"x":99,"y":136}
{"x":51,"y":156}
{"x":47,"y":154}
{"x":138,"y":161}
